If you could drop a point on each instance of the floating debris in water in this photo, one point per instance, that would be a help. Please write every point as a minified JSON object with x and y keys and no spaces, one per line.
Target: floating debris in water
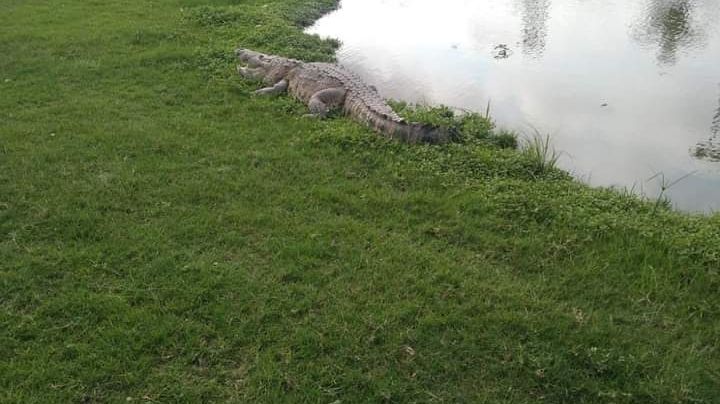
{"x":502,"y":51}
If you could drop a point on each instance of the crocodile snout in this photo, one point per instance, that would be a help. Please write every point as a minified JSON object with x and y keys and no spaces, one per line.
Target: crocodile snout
{"x":251,"y":58}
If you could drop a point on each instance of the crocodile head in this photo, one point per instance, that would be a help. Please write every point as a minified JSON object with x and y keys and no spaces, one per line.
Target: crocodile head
{"x":252,"y":58}
{"x":270,"y":69}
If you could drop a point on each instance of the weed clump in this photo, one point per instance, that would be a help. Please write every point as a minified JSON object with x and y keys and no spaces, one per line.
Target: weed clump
{"x":540,"y":153}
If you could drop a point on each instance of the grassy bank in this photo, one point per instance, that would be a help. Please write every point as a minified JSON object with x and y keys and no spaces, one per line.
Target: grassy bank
{"x":167,"y":237}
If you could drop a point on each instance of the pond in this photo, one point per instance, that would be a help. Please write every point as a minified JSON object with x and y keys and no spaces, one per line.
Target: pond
{"x":626,"y":89}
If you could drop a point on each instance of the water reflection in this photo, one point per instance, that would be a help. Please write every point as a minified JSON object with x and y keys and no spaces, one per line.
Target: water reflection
{"x":669,"y":24}
{"x":535,"y":14}
{"x":710,"y":149}
{"x":715,"y":128}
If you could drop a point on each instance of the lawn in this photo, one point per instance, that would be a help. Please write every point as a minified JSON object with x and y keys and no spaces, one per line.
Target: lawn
{"x":165,"y":236}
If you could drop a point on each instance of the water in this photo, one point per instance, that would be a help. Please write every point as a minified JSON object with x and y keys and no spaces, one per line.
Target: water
{"x":626,"y":89}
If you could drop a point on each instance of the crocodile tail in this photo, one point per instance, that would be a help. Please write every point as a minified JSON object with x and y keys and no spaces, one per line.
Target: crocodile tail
{"x":413,"y":132}
{"x":384,"y":121}
{"x":422,"y":133}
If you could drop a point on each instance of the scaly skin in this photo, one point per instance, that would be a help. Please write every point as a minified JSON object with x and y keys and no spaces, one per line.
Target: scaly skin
{"x":324,"y":87}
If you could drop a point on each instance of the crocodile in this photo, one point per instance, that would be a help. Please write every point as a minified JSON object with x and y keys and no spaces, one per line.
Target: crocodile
{"x":324,"y":87}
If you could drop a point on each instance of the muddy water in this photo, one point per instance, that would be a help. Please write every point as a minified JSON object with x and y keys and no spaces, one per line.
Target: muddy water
{"x":625,"y":88}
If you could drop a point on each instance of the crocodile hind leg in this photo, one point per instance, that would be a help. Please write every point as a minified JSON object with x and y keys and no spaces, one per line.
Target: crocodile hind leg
{"x":324,"y":101}
{"x":279,"y":88}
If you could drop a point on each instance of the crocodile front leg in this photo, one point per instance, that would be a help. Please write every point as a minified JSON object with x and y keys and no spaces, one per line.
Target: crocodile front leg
{"x":324,"y":101}
{"x":279,"y":88}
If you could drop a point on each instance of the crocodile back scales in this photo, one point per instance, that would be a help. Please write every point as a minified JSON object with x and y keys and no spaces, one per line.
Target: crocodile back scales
{"x":359,"y":94}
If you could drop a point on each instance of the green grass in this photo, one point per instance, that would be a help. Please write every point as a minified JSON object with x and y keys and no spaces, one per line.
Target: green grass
{"x":167,"y":237}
